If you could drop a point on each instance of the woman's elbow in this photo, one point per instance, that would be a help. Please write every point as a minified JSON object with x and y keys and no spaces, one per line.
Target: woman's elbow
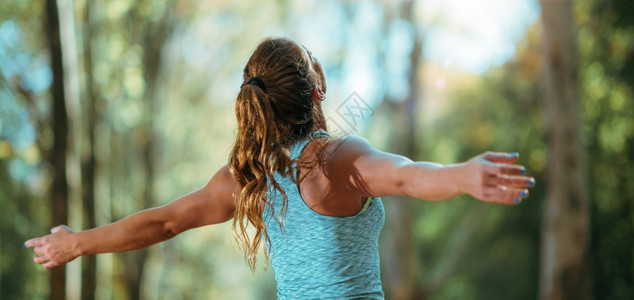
{"x":403,"y":181}
{"x":170,"y":223}
{"x":170,"y":231}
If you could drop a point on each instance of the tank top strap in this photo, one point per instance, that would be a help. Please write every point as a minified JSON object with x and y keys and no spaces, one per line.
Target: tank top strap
{"x":320,"y":134}
{"x":298,"y":147}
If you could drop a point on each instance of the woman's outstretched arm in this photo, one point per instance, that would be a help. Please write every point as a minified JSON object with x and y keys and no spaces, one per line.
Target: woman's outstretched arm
{"x":489,"y":177}
{"x":212,"y":204}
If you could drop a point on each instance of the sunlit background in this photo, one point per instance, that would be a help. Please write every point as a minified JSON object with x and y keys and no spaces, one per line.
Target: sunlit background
{"x":441,"y":80}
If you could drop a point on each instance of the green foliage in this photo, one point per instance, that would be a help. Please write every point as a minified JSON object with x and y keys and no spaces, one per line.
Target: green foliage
{"x":23,"y":179}
{"x":503,"y":111}
{"x":20,"y":219}
{"x":499,"y":111}
{"x":607,"y":57}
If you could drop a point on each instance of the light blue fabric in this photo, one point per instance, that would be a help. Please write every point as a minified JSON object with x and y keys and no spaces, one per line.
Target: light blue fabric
{"x":322,"y":257}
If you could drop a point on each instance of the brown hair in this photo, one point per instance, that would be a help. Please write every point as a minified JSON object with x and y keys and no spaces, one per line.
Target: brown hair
{"x":273,"y":110}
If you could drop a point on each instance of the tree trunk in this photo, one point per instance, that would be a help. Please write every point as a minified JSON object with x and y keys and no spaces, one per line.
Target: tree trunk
{"x":565,"y":272}
{"x":401,"y":269}
{"x":89,"y":162}
{"x":57,"y":158}
{"x":153,"y":39}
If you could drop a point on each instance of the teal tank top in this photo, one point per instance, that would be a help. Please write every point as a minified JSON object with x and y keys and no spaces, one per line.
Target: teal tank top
{"x":323,"y":257}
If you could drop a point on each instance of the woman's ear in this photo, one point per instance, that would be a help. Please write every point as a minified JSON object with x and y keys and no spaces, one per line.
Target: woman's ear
{"x":318,"y":95}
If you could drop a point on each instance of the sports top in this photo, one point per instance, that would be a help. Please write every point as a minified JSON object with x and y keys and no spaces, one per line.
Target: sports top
{"x":315,"y":256}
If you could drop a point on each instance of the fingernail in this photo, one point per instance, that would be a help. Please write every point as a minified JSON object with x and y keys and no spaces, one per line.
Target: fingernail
{"x":523,"y":171}
{"x":514,"y":154}
{"x":25,"y":245}
{"x":531,"y":183}
{"x":524,"y":194}
{"x":517,"y":200}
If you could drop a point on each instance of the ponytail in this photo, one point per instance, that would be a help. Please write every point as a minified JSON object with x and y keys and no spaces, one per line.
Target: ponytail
{"x":257,"y":154}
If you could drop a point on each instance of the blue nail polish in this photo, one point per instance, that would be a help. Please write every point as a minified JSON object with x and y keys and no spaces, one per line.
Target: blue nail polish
{"x":517,"y":200}
{"x":514,"y":154}
{"x":25,"y":245}
{"x":531,"y":183}
{"x":523,"y":171}
{"x":523,"y":194}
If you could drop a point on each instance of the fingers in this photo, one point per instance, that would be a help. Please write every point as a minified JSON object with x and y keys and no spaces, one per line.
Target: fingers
{"x":508,"y":169}
{"x":506,"y":196}
{"x":39,"y":250}
{"x":47,"y":249}
{"x":59,"y":228}
{"x":34,"y":242}
{"x":507,"y":189}
{"x":41,"y":259}
{"x":45,"y":262}
{"x":501,"y":157}
{"x":41,"y":240}
{"x":50,"y":265}
{"x":511,"y":181}
{"x":40,"y":255}
{"x":30,"y":243}
{"x":502,"y":181}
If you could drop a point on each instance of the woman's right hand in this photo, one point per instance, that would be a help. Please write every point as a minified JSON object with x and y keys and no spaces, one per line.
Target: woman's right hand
{"x":55,"y":249}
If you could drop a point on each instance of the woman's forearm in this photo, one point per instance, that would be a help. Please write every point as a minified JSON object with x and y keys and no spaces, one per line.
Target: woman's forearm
{"x":139,"y":230}
{"x":431,"y":181}
{"x":489,"y":177}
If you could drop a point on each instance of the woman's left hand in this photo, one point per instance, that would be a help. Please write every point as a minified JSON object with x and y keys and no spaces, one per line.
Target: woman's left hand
{"x":492,"y":177}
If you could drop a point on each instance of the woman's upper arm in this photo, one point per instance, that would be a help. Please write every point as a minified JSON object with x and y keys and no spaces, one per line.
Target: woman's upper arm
{"x":364,"y":169}
{"x":212,"y":204}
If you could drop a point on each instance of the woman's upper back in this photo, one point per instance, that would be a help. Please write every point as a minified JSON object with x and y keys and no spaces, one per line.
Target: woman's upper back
{"x":317,"y":255}
{"x":324,"y":186}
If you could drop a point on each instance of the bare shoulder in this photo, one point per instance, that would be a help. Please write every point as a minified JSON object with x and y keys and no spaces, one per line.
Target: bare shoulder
{"x":341,"y":155}
{"x":363,"y":168}
{"x":222,"y":176}
{"x":348,"y":147}
{"x":223,"y":187}
{"x":225,"y":174}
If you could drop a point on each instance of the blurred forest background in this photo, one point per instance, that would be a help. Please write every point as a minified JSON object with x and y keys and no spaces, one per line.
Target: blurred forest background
{"x":109,"y":107}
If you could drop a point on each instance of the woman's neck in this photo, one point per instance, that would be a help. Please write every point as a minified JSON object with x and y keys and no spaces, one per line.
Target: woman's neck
{"x":319,"y":119}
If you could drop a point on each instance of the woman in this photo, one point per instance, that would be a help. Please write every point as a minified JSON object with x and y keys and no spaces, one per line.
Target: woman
{"x":313,"y":200}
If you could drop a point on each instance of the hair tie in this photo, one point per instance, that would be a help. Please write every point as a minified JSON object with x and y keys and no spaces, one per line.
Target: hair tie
{"x":257,"y":81}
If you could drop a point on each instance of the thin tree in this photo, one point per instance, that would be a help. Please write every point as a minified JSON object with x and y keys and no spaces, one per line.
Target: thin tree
{"x":152,"y":36}
{"x":565,"y":272}
{"x":89,"y":161}
{"x":402,"y":272}
{"x":57,"y":157}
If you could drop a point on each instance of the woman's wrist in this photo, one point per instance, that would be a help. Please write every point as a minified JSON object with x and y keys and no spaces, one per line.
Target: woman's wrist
{"x":75,"y":240}
{"x":456,"y":179}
